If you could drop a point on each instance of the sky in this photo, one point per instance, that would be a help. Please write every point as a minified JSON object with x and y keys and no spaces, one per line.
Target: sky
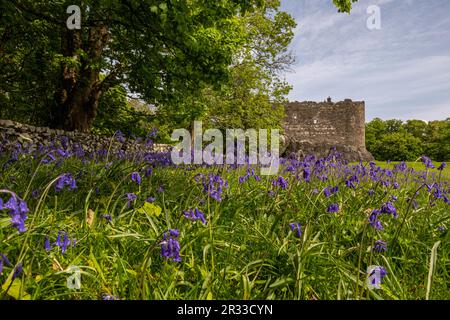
{"x":401,"y":70}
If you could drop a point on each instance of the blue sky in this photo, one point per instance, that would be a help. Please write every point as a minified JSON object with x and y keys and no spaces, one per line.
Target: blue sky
{"x":402,"y":71}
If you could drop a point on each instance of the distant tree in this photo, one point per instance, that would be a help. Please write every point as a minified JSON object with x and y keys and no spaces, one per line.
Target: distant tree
{"x":400,"y":146}
{"x":395,"y":140}
{"x":417,"y":128}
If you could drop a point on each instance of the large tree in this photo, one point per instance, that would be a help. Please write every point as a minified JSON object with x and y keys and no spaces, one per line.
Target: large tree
{"x":159,"y":50}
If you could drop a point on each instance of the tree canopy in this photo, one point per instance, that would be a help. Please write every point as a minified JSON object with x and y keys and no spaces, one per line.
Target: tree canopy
{"x":398,"y":140}
{"x":186,"y":55}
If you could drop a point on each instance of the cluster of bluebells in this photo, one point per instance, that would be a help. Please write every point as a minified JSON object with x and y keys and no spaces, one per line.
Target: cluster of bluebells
{"x":194,"y":215}
{"x":386,"y":208}
{"x":250,"y":173}
{"x":62,"y":241}
{"x":66,"y":179}
{"x":170,"y":247}
{"x":17,"y":210}
{"x":213,"y":185}
{"x":333,"y":208}
{"x":280,"y":182}
{"x":329,"y":191}
{"x":296,"y":229}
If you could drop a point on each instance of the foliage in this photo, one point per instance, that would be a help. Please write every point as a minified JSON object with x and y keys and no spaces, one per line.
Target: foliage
{"x":398,"y":140}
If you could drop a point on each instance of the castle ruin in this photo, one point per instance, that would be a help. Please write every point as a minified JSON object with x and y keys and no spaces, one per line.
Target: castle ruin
{"x":316,"y":127}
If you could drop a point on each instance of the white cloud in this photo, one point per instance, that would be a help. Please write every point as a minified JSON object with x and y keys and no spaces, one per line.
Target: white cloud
{"x":395,"y":70}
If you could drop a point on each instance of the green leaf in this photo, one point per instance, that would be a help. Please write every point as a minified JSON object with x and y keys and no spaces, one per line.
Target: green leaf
{"x":150,"y":209}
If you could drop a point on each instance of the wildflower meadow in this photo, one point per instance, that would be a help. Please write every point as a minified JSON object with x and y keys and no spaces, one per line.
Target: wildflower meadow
{"x":100,"y":225}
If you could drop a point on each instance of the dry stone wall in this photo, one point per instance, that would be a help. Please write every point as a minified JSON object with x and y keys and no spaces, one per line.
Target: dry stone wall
{"x":13,"y":134}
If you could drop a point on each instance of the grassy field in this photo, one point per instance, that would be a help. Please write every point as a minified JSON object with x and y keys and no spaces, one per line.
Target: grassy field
{"x":90,"y":227}
{"x":417,"y":166}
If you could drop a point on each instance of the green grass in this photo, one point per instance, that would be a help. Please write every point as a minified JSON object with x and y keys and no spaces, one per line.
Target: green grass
{"x":418,"y":166}
{"x":246,"y":250}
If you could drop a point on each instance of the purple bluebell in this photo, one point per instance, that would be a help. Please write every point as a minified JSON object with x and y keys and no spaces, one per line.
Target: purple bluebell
{"x":194,"y":215}
{"x":65,"y":179}
{"x":17,"y":211}
{"x":108,"y":297}
{"x":280,"y":182}
{"x":380,"y":246}
{"x":47,"y":244}
{"x":135,"y":177}
{"x":442,"y":166}
{"x":427,"y":162}
{"x":170,"y":247}
{"x":376,"y":276}
{"x":296,"y":228}
{"x":374,"y":221}
{"x":17,"y":271}
{"x":65,"y":243}
{"x":333,"y":208}
{"x":131,"y":197}
{"x":388,"y":208}
{"x":120,"y":137}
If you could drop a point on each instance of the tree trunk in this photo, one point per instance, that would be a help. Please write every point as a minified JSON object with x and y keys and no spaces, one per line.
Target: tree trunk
{"x":80,"y":87}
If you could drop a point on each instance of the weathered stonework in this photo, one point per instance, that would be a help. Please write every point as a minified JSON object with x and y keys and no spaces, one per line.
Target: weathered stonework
{"x":14,"y":133}
{"x":316,"y":127}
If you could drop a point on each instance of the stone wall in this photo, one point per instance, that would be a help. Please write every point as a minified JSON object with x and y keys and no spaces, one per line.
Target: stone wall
{"x":14,"y":133}
{"x":316,"y":127}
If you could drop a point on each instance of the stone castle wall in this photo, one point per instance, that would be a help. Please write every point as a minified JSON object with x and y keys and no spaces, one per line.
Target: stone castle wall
{"x":315,"y":127}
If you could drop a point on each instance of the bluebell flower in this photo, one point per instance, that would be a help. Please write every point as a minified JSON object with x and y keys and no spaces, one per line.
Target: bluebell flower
{"x":307,"y":174}
{"x":65,"y":179}
{"x":380,"y":246}
{"x":65,"y":243}
{"x":427,"y":162}
{"x":47,"y":244}
{"x":195,"y":215}
{"x":374,"y":221}
{"x":135,"y":177}
{"x":376,"y":280}
{"x":170,"y":247}
{"x":17,"y":271}
{"x":17,"y":211}
{"x":388,"y":208}
{"x":35,"y":194}
{"x":131,"y":197}
{"x":150,"y":199}
{"x":333,"y":208}
{"x":442,"y":166}
{"x":108,"y":297}
{"x":119,"y":136}
{"x":296,"y":228}
{"x":280,"y":182}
